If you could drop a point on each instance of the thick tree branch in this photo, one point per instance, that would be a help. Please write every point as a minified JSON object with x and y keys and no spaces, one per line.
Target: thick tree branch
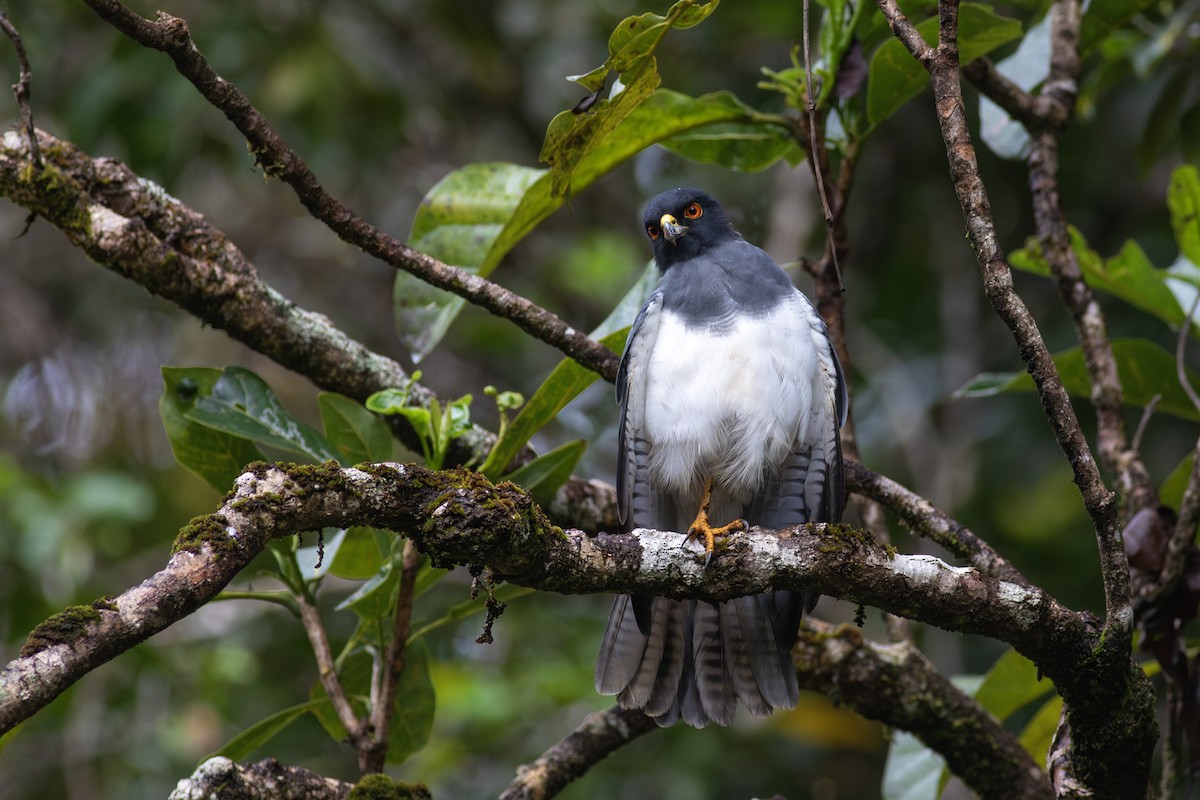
{"x":170,"y":35}
{"x":458,"y":517}
{"x":599,"y":735}
{"x":1133,"y":479}
{"x":263,"y":780}
{"x":898,"y":686}
{"x":1095,"y":750}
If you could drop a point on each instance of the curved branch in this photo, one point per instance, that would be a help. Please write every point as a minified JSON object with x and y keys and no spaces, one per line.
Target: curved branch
{"x":898,"y":686}
{"x":1095,"y":749}
{"x":458,"y":517}
{"x":170,"y":35}
{"x":600,"y":733}
{"x":924,"y":518}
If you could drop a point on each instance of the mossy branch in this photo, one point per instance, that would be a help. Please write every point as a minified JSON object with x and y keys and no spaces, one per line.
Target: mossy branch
{"x":458,"y":517}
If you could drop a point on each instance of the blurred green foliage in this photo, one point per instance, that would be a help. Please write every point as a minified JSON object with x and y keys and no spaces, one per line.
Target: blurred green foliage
{"x":391,"y":103}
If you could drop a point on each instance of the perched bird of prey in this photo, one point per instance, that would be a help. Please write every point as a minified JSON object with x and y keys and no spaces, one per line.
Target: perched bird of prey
{"x":731,"y":399}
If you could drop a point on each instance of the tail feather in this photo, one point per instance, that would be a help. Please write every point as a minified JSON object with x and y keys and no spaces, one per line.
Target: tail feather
{"x":696,"y":660}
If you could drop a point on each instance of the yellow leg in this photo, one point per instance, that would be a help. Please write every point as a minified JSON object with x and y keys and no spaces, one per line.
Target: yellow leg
{"x":700,"y":526}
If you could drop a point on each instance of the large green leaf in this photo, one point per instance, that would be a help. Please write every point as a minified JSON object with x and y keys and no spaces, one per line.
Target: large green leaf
{"x":1039,"y":731}
{"x":1012,"y":683}
{"x":912,"y":771}
{"x":493,"y":225}
{"x":740,"y":146}
{"x":1183,"y":198}
{"x":457,"y":222}
{"x":412,"y":715}
{"x":543,"y":476}
{"x":263,"y":731}
{"x":1105,"y":17}
{"x":241,"y":404}
{"x":214,"y":456}
{"x":362,"y":553}
{"x":895,"y":77}
{"x":356,"y":433}
{"x":1145,"y":370}
{"x":573,"y":135}
{"x":1129,"y":275}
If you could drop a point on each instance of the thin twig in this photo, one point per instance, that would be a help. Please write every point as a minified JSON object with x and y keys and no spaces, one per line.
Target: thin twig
{"x":170,"y":35}
{"x":600,"y":734}
{"x":811,"y":108}
{"x":393,"y":662}
{"x":21,"y":90}
{"x":1147,"y":413}
{"x":327,"y":671}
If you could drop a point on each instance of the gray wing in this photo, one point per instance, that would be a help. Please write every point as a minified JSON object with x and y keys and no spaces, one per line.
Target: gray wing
{"x":638,"y":504}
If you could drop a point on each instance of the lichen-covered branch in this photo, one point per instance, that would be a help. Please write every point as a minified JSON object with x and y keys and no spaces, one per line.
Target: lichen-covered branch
{"x":262,"y":780}
{"x":269,"y":780}
{"x":925,"y":519}
{"x":1133,"y":479}
{"x":600,"y":734}
{"x":458,"y":517}
{"x":170,"y":35}
{"x":1116,"y":705}
{"x":898,"y":686}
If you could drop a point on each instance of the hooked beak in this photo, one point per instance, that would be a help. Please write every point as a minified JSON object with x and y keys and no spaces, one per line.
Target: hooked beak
{"x":671,"y":228}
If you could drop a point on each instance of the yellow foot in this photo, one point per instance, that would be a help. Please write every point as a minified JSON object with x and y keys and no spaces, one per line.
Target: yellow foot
{"x":700,"y":526}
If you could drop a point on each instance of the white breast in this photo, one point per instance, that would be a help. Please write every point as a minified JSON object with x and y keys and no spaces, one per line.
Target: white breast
{"x":730,"y":405}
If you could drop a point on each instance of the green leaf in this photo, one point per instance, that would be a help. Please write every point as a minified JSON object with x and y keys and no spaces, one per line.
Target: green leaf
{"x":912,"y":770}
{"x":1105,"y":17}
{"x":1011,"y":684}
{"x":573,"y":135}
{"x":543,"y":476}
{"x":739,"y":146}
{"x":1183,"y":198}
{"x":356,"y":433}
{"x":215,"y":457}
{"x":9,"y":735}
{"x":360,"y":555}
{"x":263,"y":731}
{"x":287,"y":568}
{"x":562,"y":386}
{"x":374,"y":600}
{"x":1145,"y":370}
{"x":1128,"y":275}
{"x":412,"y":716}
{"x":663,"y":114}
{"x":241,"y":404}
{"x":1039,"y":731}
{"x":316,"y":559}
{"x":457,"y":222}
{"x":566,"y":382}
{"x":1172,"y":489}
{"x":895,"y":77}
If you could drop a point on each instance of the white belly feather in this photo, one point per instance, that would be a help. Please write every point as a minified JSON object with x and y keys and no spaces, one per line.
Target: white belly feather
{"x":749,"y":388}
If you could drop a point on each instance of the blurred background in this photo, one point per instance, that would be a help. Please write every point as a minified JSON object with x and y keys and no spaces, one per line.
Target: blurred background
{"x":383,"y":99}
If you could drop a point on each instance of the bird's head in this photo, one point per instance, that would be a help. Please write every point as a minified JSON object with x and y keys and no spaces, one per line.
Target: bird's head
{"x":683,"y":223}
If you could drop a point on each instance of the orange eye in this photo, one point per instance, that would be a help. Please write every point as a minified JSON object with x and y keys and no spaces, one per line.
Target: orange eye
{"x":653,"y":231}
{"x":693,"y":211}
